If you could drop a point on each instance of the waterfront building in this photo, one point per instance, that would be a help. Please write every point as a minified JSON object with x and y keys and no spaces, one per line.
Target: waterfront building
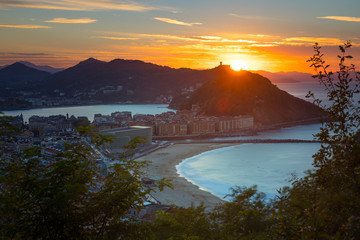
{"x":103,"y":122}
{"x":171,"y":129}
{"x":123,"y":116}
{"x":231,"y":124}
{"x":202,"y":126}
{"x":50,"y":125}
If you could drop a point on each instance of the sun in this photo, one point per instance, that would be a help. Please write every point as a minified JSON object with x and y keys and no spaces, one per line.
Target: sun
{"x":238,"y":65}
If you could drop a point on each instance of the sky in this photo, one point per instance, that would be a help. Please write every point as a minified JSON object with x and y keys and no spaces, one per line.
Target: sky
{"x":271,"y":35}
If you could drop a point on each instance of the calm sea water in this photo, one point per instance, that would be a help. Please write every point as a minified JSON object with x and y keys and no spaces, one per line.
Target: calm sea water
{"x":89,"y":111}
{"x":269,"y":166}
{"x":300,"y":89}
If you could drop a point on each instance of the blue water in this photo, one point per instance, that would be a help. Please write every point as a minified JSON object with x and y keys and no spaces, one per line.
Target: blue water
{"x":300,"y":89}
{"x":269,"y":166}
{"x":89,"y":111}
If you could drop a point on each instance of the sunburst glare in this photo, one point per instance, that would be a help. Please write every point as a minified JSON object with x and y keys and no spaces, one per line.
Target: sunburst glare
{"x":238,"y":65}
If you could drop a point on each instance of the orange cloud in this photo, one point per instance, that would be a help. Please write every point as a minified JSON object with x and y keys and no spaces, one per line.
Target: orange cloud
{"x":66,"y":20}
{"x":221,"y":39}
{"x":118,"y":38}
{"x":205,"y":39}
{"x":173,"y":21}
{"x":256,"y":35}
{"x":145,"y":36}
{"x":23,"y":26}
{"x":312,"y":40}
{"x":79,"y":5}
{"x":342,"y":18}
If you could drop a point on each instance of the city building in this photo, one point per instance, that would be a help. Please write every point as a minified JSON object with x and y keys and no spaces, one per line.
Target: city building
{"x":203,"y":126}
{"x":233,"y":124}
{"x":171,"y":129}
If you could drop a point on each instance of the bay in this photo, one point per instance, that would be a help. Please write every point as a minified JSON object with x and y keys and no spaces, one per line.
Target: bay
{"x":270,"y":166}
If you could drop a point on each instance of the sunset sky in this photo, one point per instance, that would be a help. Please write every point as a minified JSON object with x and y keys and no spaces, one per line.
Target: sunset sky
{"x":272,"y":35}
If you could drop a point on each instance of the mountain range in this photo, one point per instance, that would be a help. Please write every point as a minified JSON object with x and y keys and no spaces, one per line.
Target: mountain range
{"x":18,"y":76}
{"x":219,"y":91}
{"x":45,"y":68}
{"x":130,"y":80}
{"x":116,"y":81}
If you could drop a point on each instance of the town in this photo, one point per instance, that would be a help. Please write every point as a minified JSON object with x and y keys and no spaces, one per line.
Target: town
{"x":52,"y":134}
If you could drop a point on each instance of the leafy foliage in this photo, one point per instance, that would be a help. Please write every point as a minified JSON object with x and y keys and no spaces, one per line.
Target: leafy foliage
{"x":245,"y":216}
{"x":324,"y":205}
{"x":181,"y":223}
{"x":70,"y":199}
{"x":7,"y":129}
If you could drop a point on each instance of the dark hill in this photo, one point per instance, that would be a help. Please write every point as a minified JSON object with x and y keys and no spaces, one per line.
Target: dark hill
{"x":42,"y":68}
{"x":242,"y":93}
{"x":19,"y":76}
{"x":82,"y":75}
{"x":140,"y":81}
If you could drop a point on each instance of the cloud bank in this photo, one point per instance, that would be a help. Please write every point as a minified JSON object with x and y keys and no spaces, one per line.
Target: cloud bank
{"x":118,"y":38}
{"x":66,"y":20}
{"x":78,"y":5}
{"x":173,"y":21}
{"x":342,"y":18}
{"x":24,"y":26}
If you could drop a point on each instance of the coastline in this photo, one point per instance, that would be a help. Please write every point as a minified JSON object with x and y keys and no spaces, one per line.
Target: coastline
{"x":162,"y":164}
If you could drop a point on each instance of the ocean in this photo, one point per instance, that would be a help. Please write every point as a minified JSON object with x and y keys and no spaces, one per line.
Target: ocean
{"x":270,"y":166}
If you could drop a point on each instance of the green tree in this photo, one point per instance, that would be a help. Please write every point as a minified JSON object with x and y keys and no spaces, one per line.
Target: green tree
{"x":245,"y":216}
{"x":7,"y":130}
{"x":324,"y":204}
{"x":184,"y":224}
{"x":72,"y":198}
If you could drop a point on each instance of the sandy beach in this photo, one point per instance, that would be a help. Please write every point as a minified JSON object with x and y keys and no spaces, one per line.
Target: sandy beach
{"x":162,"y":163}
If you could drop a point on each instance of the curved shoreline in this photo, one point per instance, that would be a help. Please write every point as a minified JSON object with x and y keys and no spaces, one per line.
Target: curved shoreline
{"x":182,"y":167}
{"x":162,"y":164}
